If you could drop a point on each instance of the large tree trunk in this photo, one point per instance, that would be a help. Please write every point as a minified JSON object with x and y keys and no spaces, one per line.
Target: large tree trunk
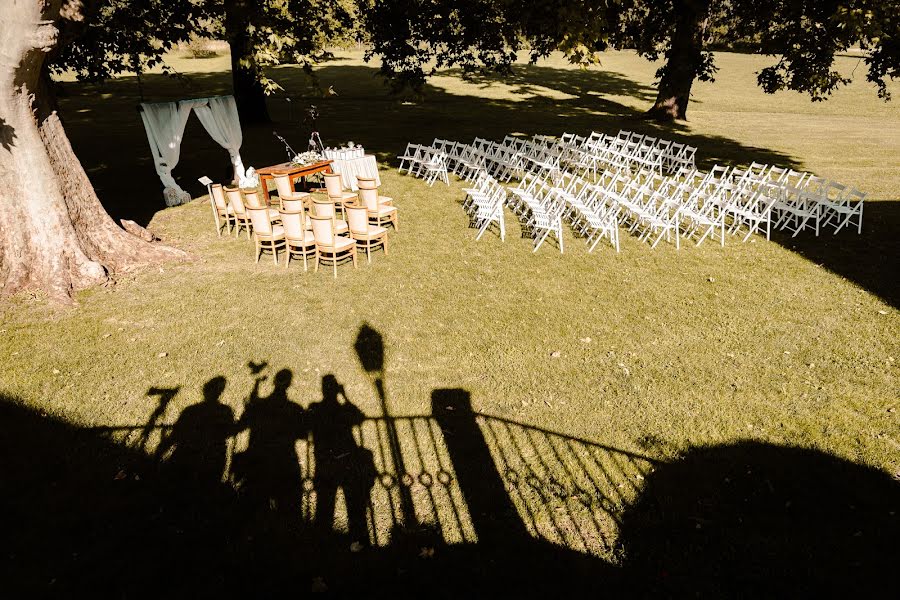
{"x":249,"y":94}
{"x":55,"y":235}
{"x":683,"y":60}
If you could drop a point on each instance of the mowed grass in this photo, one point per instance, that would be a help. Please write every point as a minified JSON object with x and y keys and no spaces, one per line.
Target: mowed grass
{"x":660,"y":350}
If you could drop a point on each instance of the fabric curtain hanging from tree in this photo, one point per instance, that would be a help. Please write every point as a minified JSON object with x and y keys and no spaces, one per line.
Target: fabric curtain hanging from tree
{"x":164,"y":123}
{"x":219,"y":117}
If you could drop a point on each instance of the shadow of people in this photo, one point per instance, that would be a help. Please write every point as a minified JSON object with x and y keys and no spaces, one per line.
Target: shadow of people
{"x":268,"y":472}
{"x":198,"y":441}
{"x":751,"y":519}
{"x":340,"y":461}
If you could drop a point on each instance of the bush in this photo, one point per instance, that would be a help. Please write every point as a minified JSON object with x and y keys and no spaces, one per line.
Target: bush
{"x":201,"y":48}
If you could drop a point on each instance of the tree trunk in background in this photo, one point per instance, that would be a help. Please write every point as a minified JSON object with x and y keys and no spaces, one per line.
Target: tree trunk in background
{"x":248,"y":91}
{"x":683,"y":60}
{"x":55,"y":236}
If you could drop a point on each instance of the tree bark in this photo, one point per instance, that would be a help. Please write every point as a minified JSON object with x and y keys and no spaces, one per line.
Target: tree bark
{"x":683,"y":60}
{"x":55,"y":235}
{"x":249,"y":94}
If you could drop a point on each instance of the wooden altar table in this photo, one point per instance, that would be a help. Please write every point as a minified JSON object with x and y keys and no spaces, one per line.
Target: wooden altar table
{"x":292,"y":171}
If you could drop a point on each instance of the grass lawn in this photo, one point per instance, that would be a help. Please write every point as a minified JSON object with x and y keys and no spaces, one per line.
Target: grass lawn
{"x":763,"y":344}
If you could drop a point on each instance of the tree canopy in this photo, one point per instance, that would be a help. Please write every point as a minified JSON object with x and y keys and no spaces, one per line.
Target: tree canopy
{"x":415,"y":37}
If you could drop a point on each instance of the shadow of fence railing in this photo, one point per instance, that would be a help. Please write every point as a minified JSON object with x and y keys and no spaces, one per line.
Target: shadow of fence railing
{"x":472,"y":477}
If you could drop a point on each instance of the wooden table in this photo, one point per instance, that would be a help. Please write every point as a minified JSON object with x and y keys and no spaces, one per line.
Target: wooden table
{"x":292,"y":171}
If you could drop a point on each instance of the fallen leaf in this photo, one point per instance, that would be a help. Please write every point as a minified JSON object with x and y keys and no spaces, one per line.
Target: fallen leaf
{"x":162,"y":355}
{"x":555,"y":354}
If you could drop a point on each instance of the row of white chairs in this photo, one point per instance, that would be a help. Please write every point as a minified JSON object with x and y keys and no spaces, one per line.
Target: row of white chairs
{"x":597,"y":183}
{"x":426,"y":162}
{"x":629,"y":150}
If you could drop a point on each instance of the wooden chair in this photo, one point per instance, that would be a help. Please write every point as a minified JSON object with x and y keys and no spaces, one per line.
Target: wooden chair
{"x":297,"y":206}
{"x":368,"y":183}
{"x":380,"y":213}
{"x":286,"y":190}
{"x":331,"y":247}
{"x":365,"y":234}
{"x":325,"y":208}
{"x":241,"y":219}
{"x":335,"y":188}
{"x":252,"y":199}
{"x":265,"y":235}
{"x":299,"y":241}
{"x":222,"y":213}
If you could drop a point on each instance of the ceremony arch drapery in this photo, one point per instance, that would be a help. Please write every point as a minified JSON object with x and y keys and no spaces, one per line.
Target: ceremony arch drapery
{"x":165,"y":123}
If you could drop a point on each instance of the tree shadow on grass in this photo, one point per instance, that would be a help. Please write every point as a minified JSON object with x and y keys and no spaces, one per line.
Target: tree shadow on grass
{"x":498,"y":507}
{"x":868,"y":259}
{"x":364,"y":112}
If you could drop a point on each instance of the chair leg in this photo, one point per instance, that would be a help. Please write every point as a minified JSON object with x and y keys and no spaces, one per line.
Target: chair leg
{"x":274,"y":253}
{"x":369,"y":252}
{"x":316,"y":267}
{"x":334,"y":263}
{"x":353,"y":255}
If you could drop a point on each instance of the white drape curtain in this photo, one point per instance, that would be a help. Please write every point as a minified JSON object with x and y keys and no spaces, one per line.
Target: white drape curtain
{"x":165,"y":122}
{"x":219,"y":117}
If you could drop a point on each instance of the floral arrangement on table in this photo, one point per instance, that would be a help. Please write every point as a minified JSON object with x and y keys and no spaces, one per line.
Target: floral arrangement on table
{"x":307,"y":158}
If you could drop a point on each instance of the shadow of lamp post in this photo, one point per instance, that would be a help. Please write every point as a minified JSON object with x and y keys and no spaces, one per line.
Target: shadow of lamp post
{"x":369,"y":347}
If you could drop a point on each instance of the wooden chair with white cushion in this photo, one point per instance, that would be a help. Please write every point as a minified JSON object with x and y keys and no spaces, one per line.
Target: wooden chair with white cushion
{"x":252,"y":199}
{"x":222,"y":212}
{"x":330,"y":247}
{"x":334,"y":186}
{"x":299,"y":241}
{"x":366,"y":235}
{"x":236,"y":201}
{"x":298,"y":206}
{"x":265,"y":235}
{"x":368,"y":183}
{"x":286,"y":190}
{"x":325,"y":208}
{"x":380,"y":213}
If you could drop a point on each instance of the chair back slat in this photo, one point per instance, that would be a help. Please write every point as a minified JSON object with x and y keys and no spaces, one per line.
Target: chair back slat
{"x":357,"y":219}
{"x":292,"y":221}
{"x":259,"y":217}
{"x":333,"y":185}
{"x":323,"y":230}
{"x":283,"y":185}
{"x":218,"y":195}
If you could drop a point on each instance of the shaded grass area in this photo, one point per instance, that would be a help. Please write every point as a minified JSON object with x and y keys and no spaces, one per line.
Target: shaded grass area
{"x":746,"y":519}
{"x":779,"y":357}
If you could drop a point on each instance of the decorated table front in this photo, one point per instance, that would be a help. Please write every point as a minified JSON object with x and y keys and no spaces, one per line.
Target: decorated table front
{"x":351,"y":163}
{"x":292,"y":170}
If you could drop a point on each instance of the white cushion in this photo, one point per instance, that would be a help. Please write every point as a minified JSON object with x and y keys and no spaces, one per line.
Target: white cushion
{"x":342,"y":243}
{"x":384,"y":210}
